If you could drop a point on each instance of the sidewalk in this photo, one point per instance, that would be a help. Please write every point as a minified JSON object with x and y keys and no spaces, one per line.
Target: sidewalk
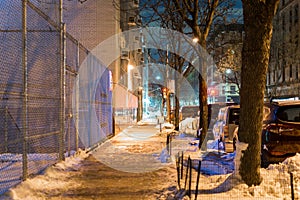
{"x":137,"y":149}
{"x":132,"y":165}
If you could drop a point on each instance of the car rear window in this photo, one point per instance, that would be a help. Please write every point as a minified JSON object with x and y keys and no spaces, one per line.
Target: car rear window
{"x":291,"y":114}
{"x":190,"y":111}
{"x":234,"y":116}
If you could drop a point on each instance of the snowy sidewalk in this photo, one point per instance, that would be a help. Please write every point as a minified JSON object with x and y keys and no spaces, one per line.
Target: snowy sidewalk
{"x":134,"y":165}
{"x":127,"y":166}
{"x":137,"y":149}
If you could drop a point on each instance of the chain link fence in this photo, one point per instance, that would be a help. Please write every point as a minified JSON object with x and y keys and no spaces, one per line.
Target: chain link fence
{"x":39,"y":63}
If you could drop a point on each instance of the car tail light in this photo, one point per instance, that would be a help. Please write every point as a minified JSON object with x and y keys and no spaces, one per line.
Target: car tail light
{"x":277,"y":153}
{"x":226,"y":131}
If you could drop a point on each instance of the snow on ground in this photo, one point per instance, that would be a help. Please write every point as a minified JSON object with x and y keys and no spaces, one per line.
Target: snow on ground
{"x":54,"y":177}
{"x":217,"y":181}
{"x":275,"y":183}
{"x":189,"y":126}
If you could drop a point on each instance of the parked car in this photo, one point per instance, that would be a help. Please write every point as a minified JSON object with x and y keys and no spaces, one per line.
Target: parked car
{"x":188,"y":112}
{"x":281,"y":132}
{"x":225,"y":126}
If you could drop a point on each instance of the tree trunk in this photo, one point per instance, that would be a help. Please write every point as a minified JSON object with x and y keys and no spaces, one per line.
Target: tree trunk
{"x":168,"y":104}
{"x":177,"y":92}
{"x":258,"y":18}
{"x":203,"y":113}
{"x":176,"y":114}
{"x":140,"y":105}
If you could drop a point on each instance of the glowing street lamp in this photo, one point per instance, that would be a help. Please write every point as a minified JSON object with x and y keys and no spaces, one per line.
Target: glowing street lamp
{"x":195,"y":40}
{"x":129,"y":81}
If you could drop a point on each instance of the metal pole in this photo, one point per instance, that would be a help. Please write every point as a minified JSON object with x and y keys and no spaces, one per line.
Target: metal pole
{"x":292,"y":186}
{"x":198,"y":177}
{"x":178,"y":170}
{"x":145,"y":80}
{"x":77,"y":98}
{"x":25,"y":88}
{"x":62,"y":40}
{"x":6,"y":130}
{"x":190,"y":177}
{"x":69,"y":134}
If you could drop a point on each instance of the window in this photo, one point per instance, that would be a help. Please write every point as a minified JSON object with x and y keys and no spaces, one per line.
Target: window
{"x":232,"y":89}
{"x":283,"y":71}
{"x":234,"y":116}
{"x":290,"y":113}
{"x":297,"y":77}
{"x":296,"y":14}
{"x":223,"y":89}
{"x":291,"y":71}
{"x":296,"y":41}
{"x":290,"y":20}
{"x":283,"y":22}
{"x":131,"y":19}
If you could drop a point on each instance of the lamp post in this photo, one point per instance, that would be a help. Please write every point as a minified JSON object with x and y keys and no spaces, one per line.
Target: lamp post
{"x":129,"y":88}
{"x":227,"y":73}
{"x":129,"y":78}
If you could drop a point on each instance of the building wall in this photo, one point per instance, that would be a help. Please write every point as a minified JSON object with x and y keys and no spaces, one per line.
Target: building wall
{"x":131,"y":45}
{"x":227,"y":48}
{"x":283,"y":73}
{"x":91,"y":23}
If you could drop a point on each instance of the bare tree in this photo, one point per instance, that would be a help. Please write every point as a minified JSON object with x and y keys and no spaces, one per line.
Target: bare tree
{"x":258,"y":18}
{"x":195,"y":19}
{"x":229,"y":65}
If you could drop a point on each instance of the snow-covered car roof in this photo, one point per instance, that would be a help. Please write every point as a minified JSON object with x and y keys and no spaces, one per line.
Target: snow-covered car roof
{"x":287,"y":102}
{"x":232,"y":106}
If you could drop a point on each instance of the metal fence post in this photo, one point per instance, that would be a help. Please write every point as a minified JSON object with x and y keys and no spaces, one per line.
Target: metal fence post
{"x":6,"y":130}
{"x":62,"y":118}
{"x":77,"y":99}
{"x":292,"y":185}
{"x":25,"y":88}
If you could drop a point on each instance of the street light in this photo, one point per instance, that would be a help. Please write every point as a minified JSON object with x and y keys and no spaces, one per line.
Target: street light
{"x":227,"y":73}
{"x":129,"y":88}
{"x":195,"y":40}
{"x":129,"y":81}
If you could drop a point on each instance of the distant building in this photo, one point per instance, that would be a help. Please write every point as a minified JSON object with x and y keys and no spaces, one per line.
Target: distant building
{"x":223,"y":78}
{"x":283,"y":72}
{"x":131,"y":51}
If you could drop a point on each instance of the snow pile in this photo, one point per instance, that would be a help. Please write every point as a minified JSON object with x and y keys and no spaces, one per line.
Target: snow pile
{"x":53,"y":179}
{"x":277,"y":180}
{"x":165,"y":128}
{"x":275,"y":185}
{"x":72,"y":162}
{"x":164,"y":156}
{"x":189,"y":126}
{"x":240,"y":147}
